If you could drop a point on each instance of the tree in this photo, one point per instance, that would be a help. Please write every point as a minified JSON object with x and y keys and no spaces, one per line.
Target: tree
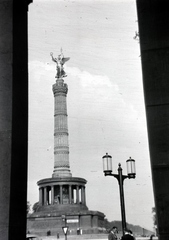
{"x":106,"y":224}
{"x":28,"y":207}
{"x":154,"y":215}
{"x":35,"y":207}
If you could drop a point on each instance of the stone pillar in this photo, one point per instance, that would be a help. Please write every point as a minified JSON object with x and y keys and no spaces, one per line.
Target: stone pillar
{"x":70,"y":194}
{"x":73,"y":195}
{"x":61,"y":194}
{"x":40,"y":196}
{"x":52,"y":195}
{"x":77,"y":194}
{"x":47,"y":192}
{"x":153,"y":23}
{"x":45,"y":195}
{"x":13,"y":118}
{"x":61,"y":145}
{"x":82,"y":194}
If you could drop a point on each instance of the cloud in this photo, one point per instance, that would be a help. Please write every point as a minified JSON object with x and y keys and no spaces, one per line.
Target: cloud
{"x":96,"y":95}
{"x":90,"y":79}
{"x":38,"y":69}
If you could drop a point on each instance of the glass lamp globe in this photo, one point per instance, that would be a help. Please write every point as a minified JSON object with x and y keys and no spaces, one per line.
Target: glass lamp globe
{"x":131,"y":169}
{"x":107,"y":164}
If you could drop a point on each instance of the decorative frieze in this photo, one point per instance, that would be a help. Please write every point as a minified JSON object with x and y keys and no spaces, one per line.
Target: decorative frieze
{"x":60,"y":87}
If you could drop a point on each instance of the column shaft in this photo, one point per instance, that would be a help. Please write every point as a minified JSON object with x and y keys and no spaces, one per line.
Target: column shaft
{"x":52,"y":195}
{"x":40,"y":196}
{"x":82,"y":194}
{"x":70,"y":194}
{"x":61,"y":144}
{"x":45,"y":195}
{"x":13,"y":118}
{"x":61,"y":194}
{"x":77,"y":194}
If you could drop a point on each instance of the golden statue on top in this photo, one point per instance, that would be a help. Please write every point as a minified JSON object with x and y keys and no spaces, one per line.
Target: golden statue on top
{"x":60,"y":61}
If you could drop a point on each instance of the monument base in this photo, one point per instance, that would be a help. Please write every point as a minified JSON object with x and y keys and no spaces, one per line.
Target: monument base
{"x":82,"y":222}
{"x":62,"y":201}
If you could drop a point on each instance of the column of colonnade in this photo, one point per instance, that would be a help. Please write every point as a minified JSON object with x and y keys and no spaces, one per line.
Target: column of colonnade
{"x":46,"y":195}
{"x":52,"y":195}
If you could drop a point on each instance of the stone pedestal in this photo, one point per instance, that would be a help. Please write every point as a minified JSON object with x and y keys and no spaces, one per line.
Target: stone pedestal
{"x":84,"y":221}
{"x":63,"y":199}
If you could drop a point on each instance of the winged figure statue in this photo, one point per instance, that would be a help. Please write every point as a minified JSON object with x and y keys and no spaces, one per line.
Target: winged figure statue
{"x":60,"y":61}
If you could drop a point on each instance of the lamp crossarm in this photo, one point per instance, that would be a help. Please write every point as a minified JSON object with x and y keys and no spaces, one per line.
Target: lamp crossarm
{"x":117,"y":176}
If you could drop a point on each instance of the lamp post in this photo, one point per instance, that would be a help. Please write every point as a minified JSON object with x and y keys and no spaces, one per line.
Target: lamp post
{"x":131,"y":173}
{"x":65,"y":228}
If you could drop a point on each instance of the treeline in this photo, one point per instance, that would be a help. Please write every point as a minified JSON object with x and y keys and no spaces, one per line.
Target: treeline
{"x":136,"y":229}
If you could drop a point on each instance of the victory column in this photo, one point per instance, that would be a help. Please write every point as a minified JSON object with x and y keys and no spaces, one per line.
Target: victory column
{"x":62,"y":198}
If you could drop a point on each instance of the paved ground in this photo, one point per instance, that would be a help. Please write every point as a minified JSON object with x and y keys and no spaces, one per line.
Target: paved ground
{"x":88,"y":237}
{"x":54,"y":238}
{"x":77,"y":237}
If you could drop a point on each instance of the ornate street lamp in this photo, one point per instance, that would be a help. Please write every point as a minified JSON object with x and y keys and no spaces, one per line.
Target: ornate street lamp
{"x":65,"y":230}
{"x":131,"y":173}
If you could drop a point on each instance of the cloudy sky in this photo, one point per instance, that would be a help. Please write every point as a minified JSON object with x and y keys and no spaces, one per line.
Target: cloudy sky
{"x":105,"y":100}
